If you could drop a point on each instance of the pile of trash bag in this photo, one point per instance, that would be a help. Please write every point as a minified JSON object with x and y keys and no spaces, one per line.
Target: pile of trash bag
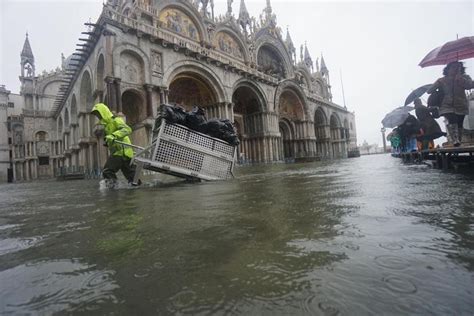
{"x":196,"y":120}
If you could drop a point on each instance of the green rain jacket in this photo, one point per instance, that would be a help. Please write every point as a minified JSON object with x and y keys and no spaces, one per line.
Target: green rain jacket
{"x":116,"y":126}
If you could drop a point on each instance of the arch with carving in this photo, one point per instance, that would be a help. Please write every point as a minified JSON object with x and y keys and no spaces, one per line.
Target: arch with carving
{"x":41,"y":136}
{"x":172,"y":14}
{"x":133,"y":52}
{"x":287,"y":133}
{"x":277,"y":46}
{"x":255,"y":90}
{"x":202,"y":71}
{"x":290,"y":85}
{"x":225,"y":33}
{"x":335,"y":126}
{"x":320,"y":117}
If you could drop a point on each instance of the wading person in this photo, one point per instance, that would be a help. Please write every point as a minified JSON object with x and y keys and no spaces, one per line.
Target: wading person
{"x":454,"y":105}
{"x":120,"y":156}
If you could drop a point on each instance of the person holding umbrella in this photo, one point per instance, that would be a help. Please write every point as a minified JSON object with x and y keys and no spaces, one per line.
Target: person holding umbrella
{"x":430,"y":127}
{"x":454,"y":105}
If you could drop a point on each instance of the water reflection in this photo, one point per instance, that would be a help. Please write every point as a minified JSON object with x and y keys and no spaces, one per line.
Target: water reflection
{"x":53,"y":286}
{"x":363,"y":236}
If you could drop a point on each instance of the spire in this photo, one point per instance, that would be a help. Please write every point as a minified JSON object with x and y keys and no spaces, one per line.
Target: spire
{"x":307,"y":58}
{"x":289,"y":41}
{"x":26,"y":52}
{"x":244,"y":16}
{"x":268,"y":9}
{"x":324,"y":69}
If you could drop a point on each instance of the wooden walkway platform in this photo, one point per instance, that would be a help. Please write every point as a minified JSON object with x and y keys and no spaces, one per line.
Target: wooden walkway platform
{"x":452,"y":158}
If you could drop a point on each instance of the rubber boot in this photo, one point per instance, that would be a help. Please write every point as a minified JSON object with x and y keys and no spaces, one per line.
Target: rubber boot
{"x":460,"y":132}
{"x":449,"y":136}
{"x":455,"y":135}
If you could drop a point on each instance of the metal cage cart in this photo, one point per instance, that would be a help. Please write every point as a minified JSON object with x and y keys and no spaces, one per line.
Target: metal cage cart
{"x":183,"y":152}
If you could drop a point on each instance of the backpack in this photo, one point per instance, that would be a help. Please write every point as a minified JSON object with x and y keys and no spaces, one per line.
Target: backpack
{"x":434,"y":102}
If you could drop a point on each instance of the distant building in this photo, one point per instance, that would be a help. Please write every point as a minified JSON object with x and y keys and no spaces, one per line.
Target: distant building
{"x":366,"y":149}
{"x":141,"y":53}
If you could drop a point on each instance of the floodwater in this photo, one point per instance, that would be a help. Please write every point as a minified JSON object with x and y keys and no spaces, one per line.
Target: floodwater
{"x":359,"y":236}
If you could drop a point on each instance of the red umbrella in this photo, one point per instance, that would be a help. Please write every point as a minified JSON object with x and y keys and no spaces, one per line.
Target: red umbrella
{"x":459,"y":49}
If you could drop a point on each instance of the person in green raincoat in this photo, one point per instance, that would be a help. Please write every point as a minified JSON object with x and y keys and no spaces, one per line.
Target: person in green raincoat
{"x":120,"y":156}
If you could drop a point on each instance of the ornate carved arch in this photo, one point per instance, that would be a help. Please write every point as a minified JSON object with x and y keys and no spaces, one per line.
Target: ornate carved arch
{"x":189,"y":11}
{"x":205,"y":72}
{"x":138,"y":53}
{"x":335,"y":120}
{"x":265,"y":39}
{"x":291,"y":85}
{"x":256,"y":89}
{"x":320,"y":117}
{"x":226,"y":30}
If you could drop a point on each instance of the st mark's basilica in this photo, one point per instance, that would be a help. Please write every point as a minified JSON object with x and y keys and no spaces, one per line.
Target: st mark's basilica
{"x":141,"y":53}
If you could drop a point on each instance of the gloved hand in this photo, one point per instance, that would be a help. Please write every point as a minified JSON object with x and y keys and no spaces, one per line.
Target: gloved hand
{"x":109,"y":139}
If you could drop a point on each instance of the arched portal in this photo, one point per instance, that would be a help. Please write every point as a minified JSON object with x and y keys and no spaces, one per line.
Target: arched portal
{"x":291,"y":110}
{"x":248,"y":103}
{"x":322,"y":133}
{"x":189,"y":89}
{"x":134,"y":110}
{"x":43,"y":151}
{"x":287,"y":138}
{"x":335,"y":127}
{"x":346,"y":130}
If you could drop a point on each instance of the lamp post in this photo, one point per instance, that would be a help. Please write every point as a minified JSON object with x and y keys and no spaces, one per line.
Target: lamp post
{"x":383,"y":139}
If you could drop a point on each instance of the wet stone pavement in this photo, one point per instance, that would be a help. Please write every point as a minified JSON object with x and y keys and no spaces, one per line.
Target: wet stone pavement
{"x":358,"y":236}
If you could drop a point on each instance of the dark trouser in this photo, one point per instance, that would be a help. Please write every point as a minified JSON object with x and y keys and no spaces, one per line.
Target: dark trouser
{"x":454,"y":119}
{"x":116,"y":163}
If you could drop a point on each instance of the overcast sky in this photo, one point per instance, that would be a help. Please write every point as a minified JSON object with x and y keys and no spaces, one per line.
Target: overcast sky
{"x":377,"y":45}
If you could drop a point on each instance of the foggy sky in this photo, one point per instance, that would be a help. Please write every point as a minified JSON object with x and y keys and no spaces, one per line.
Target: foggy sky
{"x":376,"y":45}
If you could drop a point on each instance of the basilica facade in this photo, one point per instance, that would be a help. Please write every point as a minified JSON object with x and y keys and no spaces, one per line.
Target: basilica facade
{"x":141,"y":53}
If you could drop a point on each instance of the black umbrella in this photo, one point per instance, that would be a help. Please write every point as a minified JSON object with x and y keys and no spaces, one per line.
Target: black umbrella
{"x":415,"y":94}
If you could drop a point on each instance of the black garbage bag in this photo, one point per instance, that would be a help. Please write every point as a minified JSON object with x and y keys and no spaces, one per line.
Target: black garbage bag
{"x":222,"y":129}
{"x":173,"y":114}
{"x":195,"y":118}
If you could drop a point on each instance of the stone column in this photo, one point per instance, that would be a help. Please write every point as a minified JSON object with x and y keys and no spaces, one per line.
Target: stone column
{"x":91,"y":157}
{"x":111,"y":95}
{"x":149,"y":100}
{"x":118,"y":95}
{"x":161,"y":90}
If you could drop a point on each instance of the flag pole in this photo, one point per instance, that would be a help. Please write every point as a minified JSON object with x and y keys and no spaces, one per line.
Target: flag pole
{"x":342,"y":85}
